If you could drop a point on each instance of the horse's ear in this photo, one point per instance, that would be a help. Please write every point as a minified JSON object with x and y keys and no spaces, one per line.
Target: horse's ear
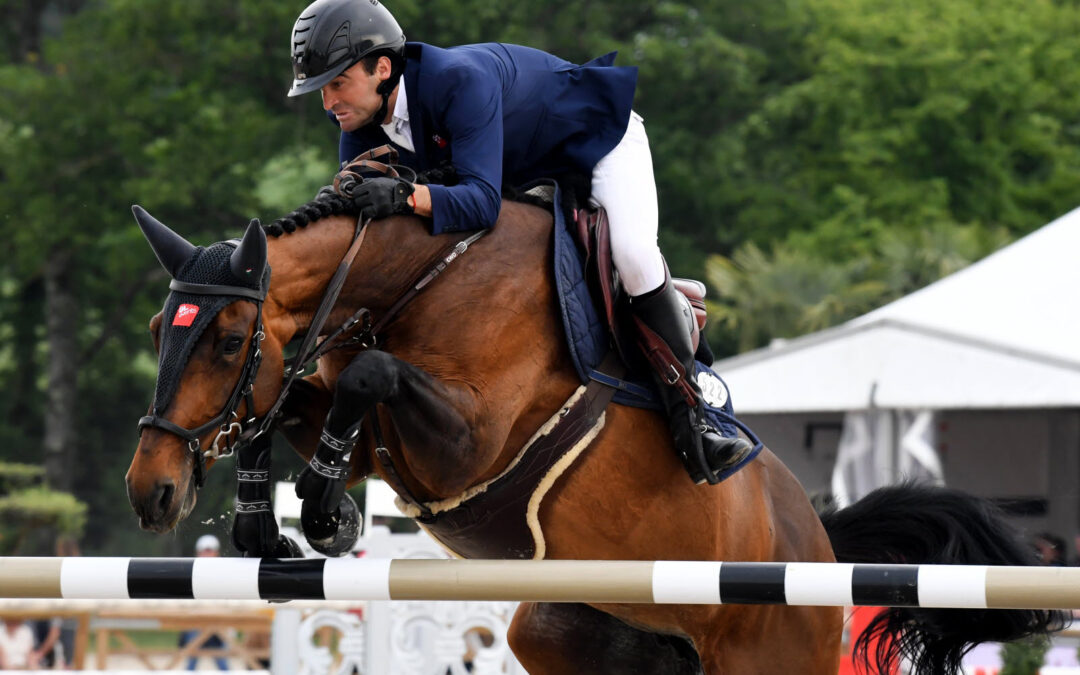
{"x":249,"y":259}
{"x":171,"y":249}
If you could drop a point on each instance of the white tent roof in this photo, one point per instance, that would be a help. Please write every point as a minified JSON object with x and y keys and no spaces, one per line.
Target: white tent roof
{"x":1001,"y":333}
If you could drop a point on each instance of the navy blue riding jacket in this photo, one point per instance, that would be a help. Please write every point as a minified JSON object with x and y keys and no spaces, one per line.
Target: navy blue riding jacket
{"x":502,"y":113}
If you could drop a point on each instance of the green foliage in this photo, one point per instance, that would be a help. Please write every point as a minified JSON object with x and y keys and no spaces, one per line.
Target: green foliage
{"x":1023,"y":657}
{"x":31,"y":514}
{"x":37,"y":507}
{"x":14,"y":476}
{"x":292,"y":178}
{"x":169,"y":104}
{"x":912,"y":115}
{"x":787,"y":292}
{"x":784,"y":293}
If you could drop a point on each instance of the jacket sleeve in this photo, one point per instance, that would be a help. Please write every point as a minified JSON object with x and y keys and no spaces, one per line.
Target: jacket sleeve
{"x":470,"y":106}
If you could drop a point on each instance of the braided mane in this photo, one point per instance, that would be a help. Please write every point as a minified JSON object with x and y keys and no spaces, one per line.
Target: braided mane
{"x":328,"y":204}
{"x":324,"y":206}
{"x":331,"y":204}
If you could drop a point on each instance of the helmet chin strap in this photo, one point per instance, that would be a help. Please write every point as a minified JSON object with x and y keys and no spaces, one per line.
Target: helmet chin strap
{"x":386,"y":87}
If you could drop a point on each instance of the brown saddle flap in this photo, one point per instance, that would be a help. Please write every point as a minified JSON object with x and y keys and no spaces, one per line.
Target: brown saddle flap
{"x":592,"y":233}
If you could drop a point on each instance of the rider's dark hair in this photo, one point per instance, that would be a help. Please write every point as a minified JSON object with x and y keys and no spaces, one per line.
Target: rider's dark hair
{"x":371,"y":61}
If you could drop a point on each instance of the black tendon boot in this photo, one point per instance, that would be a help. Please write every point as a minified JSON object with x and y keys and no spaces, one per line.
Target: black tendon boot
{"x":702,"y":449}
{"x":329,"y":516}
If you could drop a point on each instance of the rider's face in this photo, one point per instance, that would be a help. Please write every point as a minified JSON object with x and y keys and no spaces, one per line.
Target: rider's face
{"x":351,"y":96}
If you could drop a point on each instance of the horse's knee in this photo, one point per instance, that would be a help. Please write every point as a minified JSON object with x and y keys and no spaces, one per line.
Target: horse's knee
{"x":368,"y":379}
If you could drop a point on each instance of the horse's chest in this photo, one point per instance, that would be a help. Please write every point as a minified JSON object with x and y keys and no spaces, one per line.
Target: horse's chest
{"x":501,"y":519}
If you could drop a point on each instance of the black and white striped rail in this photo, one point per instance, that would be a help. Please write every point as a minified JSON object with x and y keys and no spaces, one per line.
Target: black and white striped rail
{"x":664,"y":582}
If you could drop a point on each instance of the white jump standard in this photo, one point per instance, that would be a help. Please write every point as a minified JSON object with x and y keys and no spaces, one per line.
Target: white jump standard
{"x":660,"y":582}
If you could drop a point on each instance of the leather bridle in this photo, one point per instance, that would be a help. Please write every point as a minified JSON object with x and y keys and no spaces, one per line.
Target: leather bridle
{"x":226,"y":419}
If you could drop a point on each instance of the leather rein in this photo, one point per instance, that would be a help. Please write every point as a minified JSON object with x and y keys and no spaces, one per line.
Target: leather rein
{"x":227,"y":420}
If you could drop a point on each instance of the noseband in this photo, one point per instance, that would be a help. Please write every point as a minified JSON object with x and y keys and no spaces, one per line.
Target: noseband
{"x":226,"y":420}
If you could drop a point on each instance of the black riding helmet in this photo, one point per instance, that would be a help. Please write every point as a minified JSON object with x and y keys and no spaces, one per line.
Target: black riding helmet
{"x":332,"y":35}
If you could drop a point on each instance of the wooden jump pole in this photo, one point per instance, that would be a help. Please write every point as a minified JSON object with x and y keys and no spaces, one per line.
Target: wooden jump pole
{"x":663,"y":582}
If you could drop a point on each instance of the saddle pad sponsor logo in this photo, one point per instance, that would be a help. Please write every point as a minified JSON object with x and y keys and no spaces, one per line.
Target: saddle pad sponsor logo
{"x":185,"y":315}
{"x":712,"y":389}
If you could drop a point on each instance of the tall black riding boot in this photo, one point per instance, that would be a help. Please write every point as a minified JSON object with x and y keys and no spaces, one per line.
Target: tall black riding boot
{"x":702,"y":449}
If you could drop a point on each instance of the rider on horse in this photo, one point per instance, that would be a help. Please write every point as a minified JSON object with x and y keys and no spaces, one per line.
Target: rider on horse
{"x":495,"y":113}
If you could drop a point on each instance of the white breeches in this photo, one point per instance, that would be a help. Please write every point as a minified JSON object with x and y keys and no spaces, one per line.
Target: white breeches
{"x":622,"y":182}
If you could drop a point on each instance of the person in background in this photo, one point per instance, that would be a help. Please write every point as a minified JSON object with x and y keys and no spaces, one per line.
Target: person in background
{"x":207,"y":546}
{"x":17,"y":646}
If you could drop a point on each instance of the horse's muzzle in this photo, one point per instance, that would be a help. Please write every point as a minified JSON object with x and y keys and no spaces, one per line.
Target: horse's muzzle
{"x":161,"y":506}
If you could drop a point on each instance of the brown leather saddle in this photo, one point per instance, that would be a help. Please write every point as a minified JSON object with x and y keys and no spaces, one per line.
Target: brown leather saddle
{"x":593,"y":235}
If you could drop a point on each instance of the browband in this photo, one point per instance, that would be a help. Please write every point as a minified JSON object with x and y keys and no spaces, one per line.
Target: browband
{"x":216,"y":289}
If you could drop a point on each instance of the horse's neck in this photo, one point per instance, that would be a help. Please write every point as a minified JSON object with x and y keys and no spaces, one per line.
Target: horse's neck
{"x":396,"y":252}
{"x":489,"y":329}
{"x":487,"y":325}
{"x":304,"y":262}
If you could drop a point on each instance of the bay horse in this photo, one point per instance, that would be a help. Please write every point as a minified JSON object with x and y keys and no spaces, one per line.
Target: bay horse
{"x":464,"y":377}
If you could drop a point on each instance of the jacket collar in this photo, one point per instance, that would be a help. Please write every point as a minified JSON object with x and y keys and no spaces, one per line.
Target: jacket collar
{"x":413,"y":54}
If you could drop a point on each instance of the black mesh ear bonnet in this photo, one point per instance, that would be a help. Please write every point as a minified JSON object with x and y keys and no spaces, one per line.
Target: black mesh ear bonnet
{"x":186,"y":315}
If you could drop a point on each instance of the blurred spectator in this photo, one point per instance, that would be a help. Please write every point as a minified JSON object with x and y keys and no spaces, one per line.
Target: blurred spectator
{"x":1051,"y":549}
{"x":55,"y":638}
{"x":207,"y":546}
{"x":17,"y":646}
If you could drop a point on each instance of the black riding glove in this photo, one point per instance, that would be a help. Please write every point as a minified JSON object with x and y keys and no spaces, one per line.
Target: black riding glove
{"x":380,"y":197}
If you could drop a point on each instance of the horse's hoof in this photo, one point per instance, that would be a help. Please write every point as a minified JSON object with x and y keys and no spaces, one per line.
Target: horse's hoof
{"x":332,"y":534}
{"x":287,"y":548}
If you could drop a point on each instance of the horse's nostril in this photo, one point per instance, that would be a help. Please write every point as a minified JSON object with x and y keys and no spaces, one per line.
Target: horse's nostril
{"x":165,"y":495}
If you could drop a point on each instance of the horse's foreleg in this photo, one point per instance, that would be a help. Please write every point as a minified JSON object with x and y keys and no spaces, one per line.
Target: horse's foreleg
{"x":553,"y":639}
{"x":255,"y":531}
{"x":376,"y":377}
{"x":329,"y":516}
{"x":429,"y":418}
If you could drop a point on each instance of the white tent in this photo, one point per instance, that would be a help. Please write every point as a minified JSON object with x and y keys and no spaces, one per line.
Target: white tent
{"x":1001,"y":334}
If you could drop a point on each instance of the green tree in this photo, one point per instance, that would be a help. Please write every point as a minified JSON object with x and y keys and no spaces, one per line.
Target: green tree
{"x":787,"y":292}
{"x":1024,"y":657}
{"x":911,"y":116}
{"x":31,"y":515}
{"x":170,"y":104}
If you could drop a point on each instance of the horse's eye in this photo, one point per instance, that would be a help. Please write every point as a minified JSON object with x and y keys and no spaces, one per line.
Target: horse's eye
{"x":233,"y":344}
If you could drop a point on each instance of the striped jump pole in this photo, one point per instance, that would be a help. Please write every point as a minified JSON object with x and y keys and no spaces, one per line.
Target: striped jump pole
{"x":662,"y":582}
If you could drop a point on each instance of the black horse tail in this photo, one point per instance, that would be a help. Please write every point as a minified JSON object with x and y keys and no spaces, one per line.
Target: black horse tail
{"x":910,"y":524}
